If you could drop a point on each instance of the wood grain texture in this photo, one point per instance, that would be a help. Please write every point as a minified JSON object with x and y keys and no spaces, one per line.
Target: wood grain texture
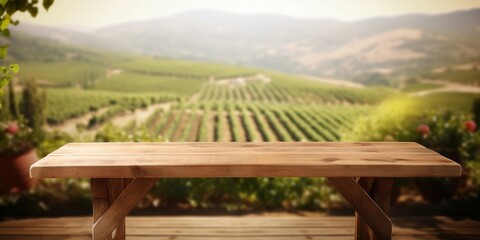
{"x":368,"y":210}
{"x":100,"y":198}
{"x":115,"y":188}
{"x":115,"y":215}
{"x":382,"y":188}
{"x":251,"y":227}
{"x":362,"y":231}
{"x":294,"y":159}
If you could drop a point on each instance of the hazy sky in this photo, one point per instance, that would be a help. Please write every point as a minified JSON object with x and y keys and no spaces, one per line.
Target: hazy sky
{"x":90,"y":14}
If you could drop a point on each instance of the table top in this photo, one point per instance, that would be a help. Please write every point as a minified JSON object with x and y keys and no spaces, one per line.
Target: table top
{"x":267,"y":159}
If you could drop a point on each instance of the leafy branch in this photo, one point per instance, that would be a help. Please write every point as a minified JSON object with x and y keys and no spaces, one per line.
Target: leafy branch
{"x":7,"y":9}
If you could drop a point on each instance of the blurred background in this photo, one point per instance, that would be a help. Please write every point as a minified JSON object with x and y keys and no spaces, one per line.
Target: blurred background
{"x":238,"y":71}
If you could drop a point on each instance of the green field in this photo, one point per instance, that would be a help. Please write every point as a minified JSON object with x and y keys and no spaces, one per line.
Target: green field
{"x":144,"y":83}
{"x":209,"y":101}
{"x":63,"y":104}
{"x":470,"y":77}
{"x":417,"y":87}
{"x":256,"y":106}
{"x":62,"y":74}
{"x":224,"y":121}
{"x":449,"y":101}
{"x":186,"y":69}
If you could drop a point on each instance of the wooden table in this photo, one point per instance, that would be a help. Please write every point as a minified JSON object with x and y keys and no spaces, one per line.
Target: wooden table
{"x":122,"y":173}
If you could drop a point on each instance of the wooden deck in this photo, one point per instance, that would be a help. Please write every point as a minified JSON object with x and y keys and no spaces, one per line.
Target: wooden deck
{"x":240,"y":227}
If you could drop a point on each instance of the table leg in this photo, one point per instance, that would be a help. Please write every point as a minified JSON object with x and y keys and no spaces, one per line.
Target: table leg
{"x":365,"y":206}
{"x":100,"y":199}
{"x":382,"y":188}
{"x":112,"y":201}
{"x":362,"y":230}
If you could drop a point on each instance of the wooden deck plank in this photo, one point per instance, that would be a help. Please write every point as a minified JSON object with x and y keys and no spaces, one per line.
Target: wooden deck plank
{"x":253,"y":227}
{"x":295,"y":159}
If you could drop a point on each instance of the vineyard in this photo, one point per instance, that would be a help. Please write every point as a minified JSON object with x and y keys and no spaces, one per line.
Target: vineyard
{"x":113,"y":97}
{"x":183,"y":69}
{"x":205,"y":101}
{"x":224,"y":121}
{"x":287,"y":90}
{"x":64,"y":104}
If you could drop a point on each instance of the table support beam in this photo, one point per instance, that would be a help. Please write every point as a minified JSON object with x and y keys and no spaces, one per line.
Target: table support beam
{"x":113,"y":199}
{"x":362,"y":230}
{"x":365,"y":206}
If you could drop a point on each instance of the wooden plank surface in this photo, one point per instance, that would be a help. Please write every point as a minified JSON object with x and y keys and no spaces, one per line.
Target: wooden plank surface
{"x":293,"y":159}
{"x":237,"y":227}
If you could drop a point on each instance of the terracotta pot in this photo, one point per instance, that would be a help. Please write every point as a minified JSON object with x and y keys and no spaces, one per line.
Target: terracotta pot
{"x":15,"y":171}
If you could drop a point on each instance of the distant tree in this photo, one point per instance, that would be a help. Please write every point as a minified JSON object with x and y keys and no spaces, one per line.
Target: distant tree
{"x":7,"y":9}
{"x":32,"y":107}
{"x":12,"y":103}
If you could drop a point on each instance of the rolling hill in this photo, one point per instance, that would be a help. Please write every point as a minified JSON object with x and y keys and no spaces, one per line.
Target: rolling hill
{"x":389,"y":45}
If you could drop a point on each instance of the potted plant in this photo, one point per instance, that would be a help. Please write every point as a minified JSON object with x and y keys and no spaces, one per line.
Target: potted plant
{"x":20,"y":132}
{"x":17,"y":154}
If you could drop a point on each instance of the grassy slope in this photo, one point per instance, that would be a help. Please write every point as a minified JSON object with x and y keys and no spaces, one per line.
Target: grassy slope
{"x":416,"y":87}
{"x":62,"y":73}
{"x":449,"y":101}
{"x":460,"y":76}
{"x":184,"y":68}
{"x":138,"y":83}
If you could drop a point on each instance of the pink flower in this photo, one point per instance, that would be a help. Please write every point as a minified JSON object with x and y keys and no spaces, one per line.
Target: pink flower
{"x":12,"y":128}
{"x":423,"y":129}
{"x":471,"y":126}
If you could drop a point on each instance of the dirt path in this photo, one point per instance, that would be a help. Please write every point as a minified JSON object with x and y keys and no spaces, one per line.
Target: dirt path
{"x":242,"y":80}
{"x":338,"y":82}
{"x":70,"y":125}
{"x":448,"y":87}
{"x":139,"y":115}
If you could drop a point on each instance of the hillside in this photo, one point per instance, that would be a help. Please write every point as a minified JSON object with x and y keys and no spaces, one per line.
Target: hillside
{"x":88,"y":88}
{"x":398,"y":46}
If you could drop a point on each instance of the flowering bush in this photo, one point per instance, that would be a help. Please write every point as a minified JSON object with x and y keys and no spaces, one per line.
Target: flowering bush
{"x":15,"y":138}
{"x":451,"y":135}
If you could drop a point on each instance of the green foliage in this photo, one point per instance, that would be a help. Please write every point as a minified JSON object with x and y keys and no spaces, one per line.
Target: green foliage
{"x":448,"y":135}
{"x":374,"y":79}
{"x":416,"y":87}
{"x":448,"y":101}
{"x":16,"y":141}
{"x":26,"y":119}
{"x":143,"y":83}
{"x":245,"y":193}
{"x":7,"y":9}
{"x":387,"y":122}
{"x":64,"y":73}
{"x":290,"y":89}
{"x":111,"y":133}
{"x":256,"y":122}
{"x":52,"y":141}
{"x":184,"y":69}
{"x":32,"y":108}
{"x":470,"y":76}
{"x":63,"y":104}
